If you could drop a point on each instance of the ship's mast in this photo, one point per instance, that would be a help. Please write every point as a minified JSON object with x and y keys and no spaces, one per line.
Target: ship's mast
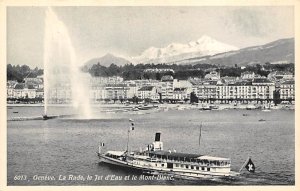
{"x":128,"y":133}
{"x":200,"y":129}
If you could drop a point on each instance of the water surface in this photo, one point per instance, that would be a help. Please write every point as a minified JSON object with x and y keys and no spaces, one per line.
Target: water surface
{"x":68,"y":146}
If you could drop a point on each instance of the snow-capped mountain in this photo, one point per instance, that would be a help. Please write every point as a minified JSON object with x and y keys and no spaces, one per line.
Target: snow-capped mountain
{"x":279,"y":51}
{"x":175,"y":51}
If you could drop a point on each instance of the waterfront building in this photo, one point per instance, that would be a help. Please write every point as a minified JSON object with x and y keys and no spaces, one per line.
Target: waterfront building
{"x":263,"y":88}
{"x":182,"y":83}
{"x":60,"y":94}
{"x":166,"y":87}
{"x":207,"y":90}
{"x":22,"y":90}
{"x":132,"y":91}
{"x":182,"y":89}
{"x":287,"y":90}
{"x":242,"y":90}
{"x":257,"y":89}
{"x":97,"y":93}
{"x":10,"y":84}
{"x":116,"y":91}
{"x":141,"y":83}
{"x":98,"y":80}
{"x":181,"y":94}
{"x":195,"y":82}
{"x":10,"y":92}
{"x":148,"y":92}
{"x":40,"y":93}
{"x":232,"y":91}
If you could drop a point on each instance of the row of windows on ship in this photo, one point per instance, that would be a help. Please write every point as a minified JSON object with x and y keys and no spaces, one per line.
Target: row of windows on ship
{"x":200,"y":162}
{"x":204,"y":162}
{"x":188,"y":167}
{"x":171,"y":165}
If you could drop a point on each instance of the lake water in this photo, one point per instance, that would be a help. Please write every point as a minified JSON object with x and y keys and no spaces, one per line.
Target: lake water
{"x":66,"y":146}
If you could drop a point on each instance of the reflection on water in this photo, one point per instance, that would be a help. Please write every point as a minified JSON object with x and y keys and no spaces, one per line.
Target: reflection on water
{"x":68,"y":146}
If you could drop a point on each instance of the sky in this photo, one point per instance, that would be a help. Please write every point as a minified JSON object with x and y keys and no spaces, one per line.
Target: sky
{"x":128,"y":31}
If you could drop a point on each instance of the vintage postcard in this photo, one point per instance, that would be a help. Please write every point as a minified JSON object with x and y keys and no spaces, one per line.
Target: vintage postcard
{"x":162,"y":94}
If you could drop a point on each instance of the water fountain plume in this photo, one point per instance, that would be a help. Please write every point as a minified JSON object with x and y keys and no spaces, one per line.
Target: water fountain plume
{"x":62,"y":73}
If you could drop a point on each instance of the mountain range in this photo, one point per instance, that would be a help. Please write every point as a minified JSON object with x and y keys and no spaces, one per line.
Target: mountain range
{"x":202,"y":47}
{"x":210,"y":51}
{"x":280,"y":51}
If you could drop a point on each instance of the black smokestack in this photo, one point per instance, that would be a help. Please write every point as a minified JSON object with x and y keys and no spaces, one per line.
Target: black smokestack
{"x":157,"y":136}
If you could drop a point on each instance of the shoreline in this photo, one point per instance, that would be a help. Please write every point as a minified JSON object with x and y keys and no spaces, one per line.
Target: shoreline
{"x":169,"y":106}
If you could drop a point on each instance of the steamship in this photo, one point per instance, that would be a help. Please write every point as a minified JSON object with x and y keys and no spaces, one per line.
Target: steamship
{"x":153,"y":160}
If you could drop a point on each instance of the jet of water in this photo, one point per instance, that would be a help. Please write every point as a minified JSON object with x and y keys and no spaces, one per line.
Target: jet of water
{"x":63,"y":80}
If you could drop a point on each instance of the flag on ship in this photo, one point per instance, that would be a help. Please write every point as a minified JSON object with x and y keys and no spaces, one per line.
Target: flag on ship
{"x":250,"y":166}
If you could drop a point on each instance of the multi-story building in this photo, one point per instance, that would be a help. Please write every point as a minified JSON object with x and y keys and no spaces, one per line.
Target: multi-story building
{"x":36,"y":82}
{"x":206,"y":90}
{"x":287,"y":90}
{"x":22,"y":90}
{"x":60,"y":94}
{"x":148,"y":92}
{"x":264,"y":88}
{"x":166,"y":87}
{"x":40,"y":93}
{"x":132,"y":92}
{"x":182,"y":89}
{"x":10,"y":92}
{"x":195,"y":82}
{"x":226,"y":88}
{"x":10,"y":88}
{"x":105,"y":80}
{"x":116,"y":91}
{"x":97,"y":93}
{"x":232,"y":91}
{"x":258,"y":89}
{"x":141,"y":83}
{"x":181,"y":94}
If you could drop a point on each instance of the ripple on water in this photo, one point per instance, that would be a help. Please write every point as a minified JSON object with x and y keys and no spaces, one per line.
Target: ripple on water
{"x":68,"y":146}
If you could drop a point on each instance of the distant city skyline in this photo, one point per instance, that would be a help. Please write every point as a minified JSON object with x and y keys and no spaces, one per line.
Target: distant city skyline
{"x":128,"y":31}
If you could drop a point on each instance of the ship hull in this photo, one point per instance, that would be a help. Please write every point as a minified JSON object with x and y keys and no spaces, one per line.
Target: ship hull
{"x":176,"y":173}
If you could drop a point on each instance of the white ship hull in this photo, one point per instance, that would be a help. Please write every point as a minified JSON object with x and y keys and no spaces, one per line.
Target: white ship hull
{"x":147,"y":168}
{"x":155,"y":161}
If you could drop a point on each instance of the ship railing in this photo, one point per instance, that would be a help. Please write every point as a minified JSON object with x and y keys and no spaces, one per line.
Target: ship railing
{"x":207,"y":164}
